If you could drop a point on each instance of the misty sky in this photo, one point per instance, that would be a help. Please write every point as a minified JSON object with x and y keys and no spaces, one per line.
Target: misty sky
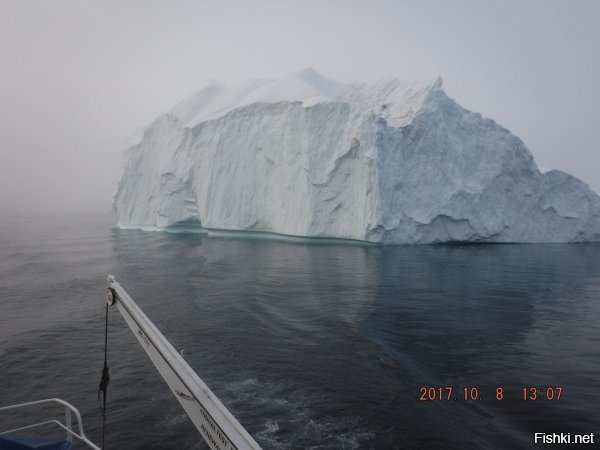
{"x":78,"y":77}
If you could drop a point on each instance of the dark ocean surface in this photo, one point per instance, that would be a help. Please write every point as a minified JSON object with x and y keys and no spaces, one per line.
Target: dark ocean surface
{"x":309,"y":344}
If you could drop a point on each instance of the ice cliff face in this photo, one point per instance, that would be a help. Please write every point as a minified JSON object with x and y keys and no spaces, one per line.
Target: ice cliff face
{"x":390,"y":162}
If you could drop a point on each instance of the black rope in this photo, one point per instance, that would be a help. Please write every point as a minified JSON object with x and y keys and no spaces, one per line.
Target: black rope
{"x":105,"y":379}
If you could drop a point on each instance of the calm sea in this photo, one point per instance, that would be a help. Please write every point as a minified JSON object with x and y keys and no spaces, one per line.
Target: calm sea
{"x":310,"y":345}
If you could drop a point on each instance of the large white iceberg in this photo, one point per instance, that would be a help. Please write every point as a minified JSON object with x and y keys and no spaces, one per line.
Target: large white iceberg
{"x":388,"y":162}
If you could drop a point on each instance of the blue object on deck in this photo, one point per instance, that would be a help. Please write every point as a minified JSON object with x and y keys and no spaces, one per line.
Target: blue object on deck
{"x":28,"y":443}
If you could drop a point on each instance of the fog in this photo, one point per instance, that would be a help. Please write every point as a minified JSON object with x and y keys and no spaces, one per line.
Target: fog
{"x":77,"y":78}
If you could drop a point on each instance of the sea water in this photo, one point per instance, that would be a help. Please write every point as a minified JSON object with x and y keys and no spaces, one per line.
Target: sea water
{"x":309,"y":344}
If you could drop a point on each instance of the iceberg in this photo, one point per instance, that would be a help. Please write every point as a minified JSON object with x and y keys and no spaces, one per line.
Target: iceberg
{"x":390,"y":162}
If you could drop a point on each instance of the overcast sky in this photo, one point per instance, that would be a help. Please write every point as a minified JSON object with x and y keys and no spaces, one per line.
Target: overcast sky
{"x":78,"y":77}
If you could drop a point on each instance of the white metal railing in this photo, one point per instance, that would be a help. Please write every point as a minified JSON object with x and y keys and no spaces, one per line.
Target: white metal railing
{"x":70,"y":410}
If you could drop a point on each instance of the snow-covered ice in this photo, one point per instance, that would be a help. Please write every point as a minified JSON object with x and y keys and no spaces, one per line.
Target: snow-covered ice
{"x":388,"y":162}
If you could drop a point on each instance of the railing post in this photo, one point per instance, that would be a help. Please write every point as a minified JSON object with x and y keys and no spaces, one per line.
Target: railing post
{"x":68,"y":424}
